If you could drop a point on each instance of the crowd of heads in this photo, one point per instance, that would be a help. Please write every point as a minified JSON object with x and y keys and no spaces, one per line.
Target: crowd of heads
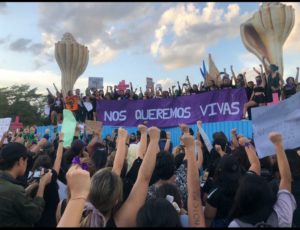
{"x":234,"y":186}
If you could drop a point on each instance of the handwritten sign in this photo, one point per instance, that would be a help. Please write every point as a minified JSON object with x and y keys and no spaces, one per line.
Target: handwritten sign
{"x":93,"y":126}
{"x":4,"y":125}
{"x":150,"y":83}
{"x":284,"y":118}
{"x":95,"y":82}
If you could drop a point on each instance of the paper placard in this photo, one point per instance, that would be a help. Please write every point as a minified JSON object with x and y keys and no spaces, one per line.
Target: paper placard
{"x":205,"y":139}
{"x":88,"y":106}
{"x":4,"y":125}
{"x":283,"y":118}
{"x":95,"y":82}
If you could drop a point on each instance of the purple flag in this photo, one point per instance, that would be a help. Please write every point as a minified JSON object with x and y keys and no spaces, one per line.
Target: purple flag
{"x":214,"y":106}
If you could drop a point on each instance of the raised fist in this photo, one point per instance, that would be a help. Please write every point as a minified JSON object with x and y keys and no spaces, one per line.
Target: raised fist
{"x":122,"y":133}
{"x":188,"y":140}
{"x":275,"y":138}
{"x":154,"y":133}
{"x":142,"y":128}
{"x":184,"y":128}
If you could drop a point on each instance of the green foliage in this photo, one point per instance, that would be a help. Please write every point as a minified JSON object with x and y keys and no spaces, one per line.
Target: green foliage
{"x":20,"y":100}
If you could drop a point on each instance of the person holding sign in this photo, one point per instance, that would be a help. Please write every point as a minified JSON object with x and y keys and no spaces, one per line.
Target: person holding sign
{"x":256,"y":203}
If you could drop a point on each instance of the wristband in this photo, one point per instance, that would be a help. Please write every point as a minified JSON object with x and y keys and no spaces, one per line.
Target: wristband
{"x":61,"y":141}
{"x":248,"y":144}
{"x":78,"y":198}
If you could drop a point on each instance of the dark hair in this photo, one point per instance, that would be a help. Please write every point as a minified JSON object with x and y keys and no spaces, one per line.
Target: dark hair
{"x":294,"y":161}
{"x":222,"y":142}
{"x":163,"y":134}
{"x":191,"y":131}
{"x":254,"y":200}
{"x":110,"y":163}
{"x":220,"y":135}
{"x":169,"y":189}
{"x":227,"y":174}
{"x":179,"y":159}
{"x":98,"y":160}
{"x":43,"y":161}
{"x":240,"y":155}
{"x":157,"y":213}
{"x":10,"y":154}
{"x":165,"y":165}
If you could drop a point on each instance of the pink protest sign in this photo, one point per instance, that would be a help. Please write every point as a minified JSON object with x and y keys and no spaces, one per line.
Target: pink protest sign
{"x":122,"y":85}
{"x":275,"y":99}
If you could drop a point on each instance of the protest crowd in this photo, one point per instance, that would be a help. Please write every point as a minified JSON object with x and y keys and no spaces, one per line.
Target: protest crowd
{"x":140,"y":179}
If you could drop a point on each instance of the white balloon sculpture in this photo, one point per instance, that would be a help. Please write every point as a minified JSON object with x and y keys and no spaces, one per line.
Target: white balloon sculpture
{"x":266,"y":31}
{"x":72,"y":59}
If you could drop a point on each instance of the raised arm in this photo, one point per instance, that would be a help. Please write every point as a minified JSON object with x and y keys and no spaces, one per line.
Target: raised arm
{"x":297,"y":76}
{"x":283,"y":164}
{"x":265,"y":65}
{"x":168,"y":143}
{"x":234,"y":139}
{"x":251,"y":154}
{"x":126,"y":216}
{"x":263,"y":77}
{"x":245,"y":79}
{"x":204,"y":136}
{"x":121,"y":151}
{"x":233,"y":74}
{"x":142,"y":148}
{"x":59,"y":153}
{"x":3,"y":138}
{"x":256,"y":71}
{"x":79,"y":183}
{"x":39,"y":145}
{"x":196,"y":216}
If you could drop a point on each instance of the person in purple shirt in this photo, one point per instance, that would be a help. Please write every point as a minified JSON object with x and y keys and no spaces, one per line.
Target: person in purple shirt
{"x":256,"y":203}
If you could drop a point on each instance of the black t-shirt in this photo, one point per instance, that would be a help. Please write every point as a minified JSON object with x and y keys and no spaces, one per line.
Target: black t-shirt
{"x":131,"y":177}
{"x":51,"y":198}
{"x":221,"y":201}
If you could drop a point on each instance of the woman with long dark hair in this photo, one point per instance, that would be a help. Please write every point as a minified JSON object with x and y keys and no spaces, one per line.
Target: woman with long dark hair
{"x":256,"y":203}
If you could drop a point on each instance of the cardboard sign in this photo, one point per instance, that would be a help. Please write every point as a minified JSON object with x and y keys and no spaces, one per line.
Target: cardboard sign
{"x":95,"y":82}
{"x":4,"y":125}
{"x":150,"y":83}
{"x":93,"y":126}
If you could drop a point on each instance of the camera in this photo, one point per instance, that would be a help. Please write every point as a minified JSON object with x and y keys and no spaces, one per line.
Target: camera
{"x":37,"y":173}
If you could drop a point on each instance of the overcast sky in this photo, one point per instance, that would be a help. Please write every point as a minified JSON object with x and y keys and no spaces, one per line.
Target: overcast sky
{"x":130,"y":41}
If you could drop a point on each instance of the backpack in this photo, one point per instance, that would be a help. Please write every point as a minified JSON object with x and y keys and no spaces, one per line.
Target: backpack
{"x":272,"y":221}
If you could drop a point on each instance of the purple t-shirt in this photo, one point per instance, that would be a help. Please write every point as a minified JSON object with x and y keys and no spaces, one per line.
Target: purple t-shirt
{"x":284,"y":208}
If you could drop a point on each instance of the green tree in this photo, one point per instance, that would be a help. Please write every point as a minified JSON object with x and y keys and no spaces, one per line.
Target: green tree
{"x":20,"y":100}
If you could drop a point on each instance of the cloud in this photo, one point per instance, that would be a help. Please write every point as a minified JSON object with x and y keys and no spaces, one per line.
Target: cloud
{"x":3,"y":7}
{"x":23,"y":45}
{"x":292,"y":43}
{"x":106,"y":28}
{"x":184,"y":32}
{"x":20,"y":45}
{"x":166,"y":83}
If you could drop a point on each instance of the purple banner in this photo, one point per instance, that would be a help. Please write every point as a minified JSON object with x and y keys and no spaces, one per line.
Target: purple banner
{"x":214,"y":106}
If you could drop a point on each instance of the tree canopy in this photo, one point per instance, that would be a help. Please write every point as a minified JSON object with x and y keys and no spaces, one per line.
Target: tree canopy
{"x":22,"y":101}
